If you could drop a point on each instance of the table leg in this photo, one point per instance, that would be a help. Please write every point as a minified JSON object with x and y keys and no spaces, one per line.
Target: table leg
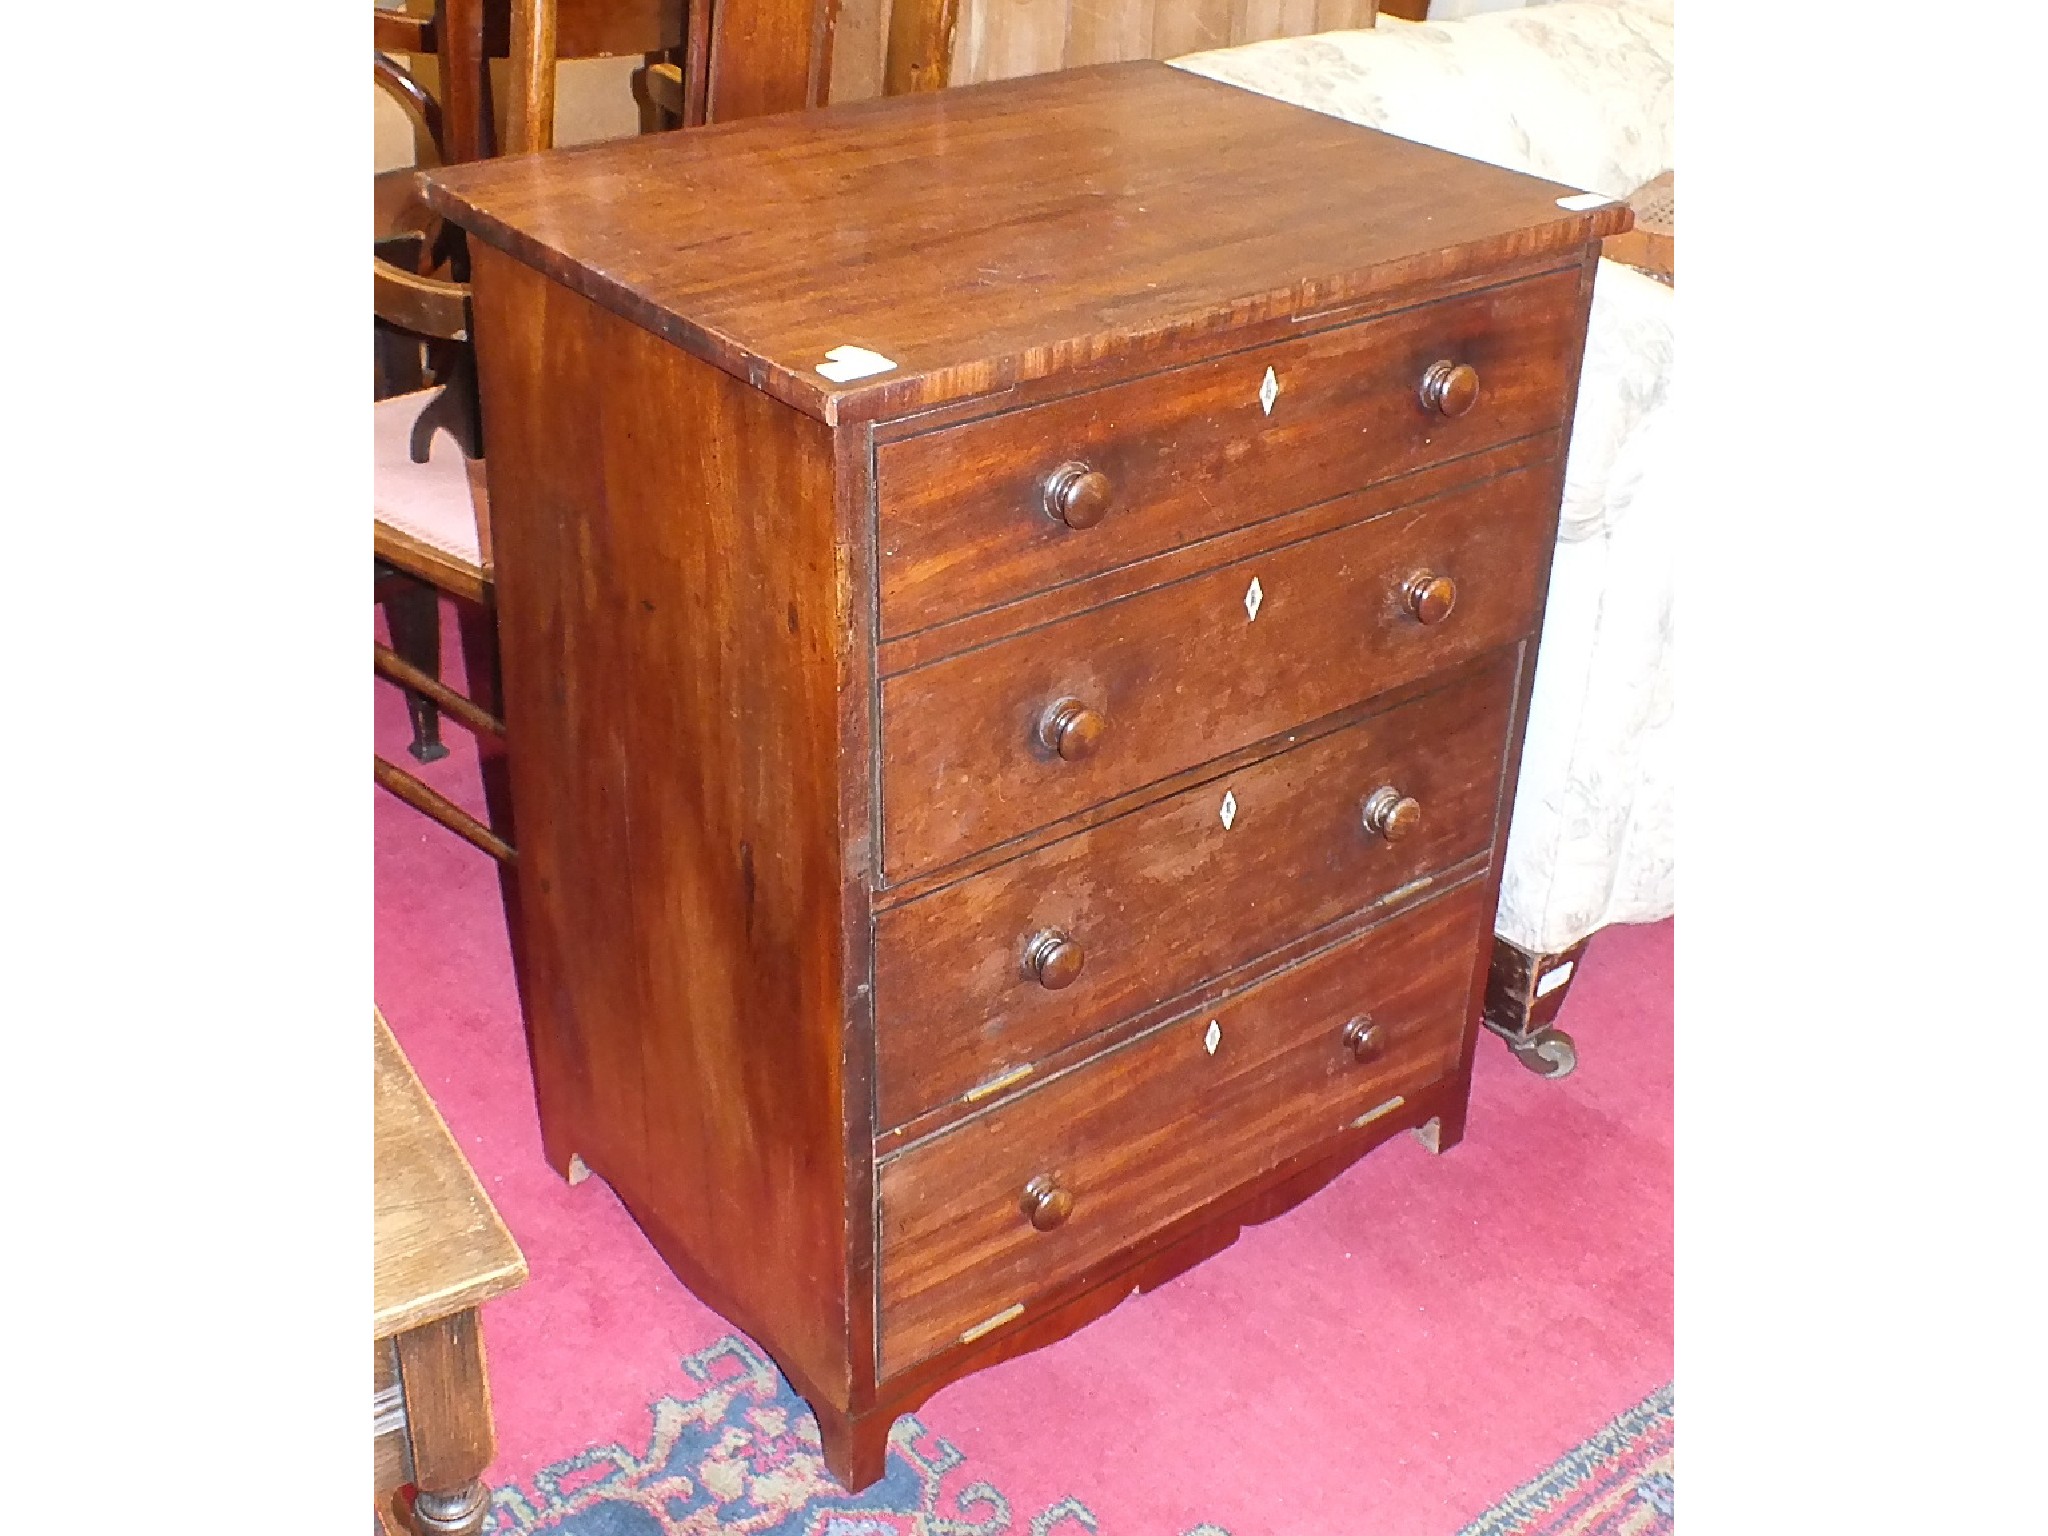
{"x":448,"y":1417}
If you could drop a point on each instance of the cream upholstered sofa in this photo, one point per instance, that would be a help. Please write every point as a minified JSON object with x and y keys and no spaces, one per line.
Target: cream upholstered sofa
{"x":1579,"y":93}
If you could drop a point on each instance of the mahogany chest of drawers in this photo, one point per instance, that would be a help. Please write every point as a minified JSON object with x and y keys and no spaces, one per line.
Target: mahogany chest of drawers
{"x":1016,"y":607}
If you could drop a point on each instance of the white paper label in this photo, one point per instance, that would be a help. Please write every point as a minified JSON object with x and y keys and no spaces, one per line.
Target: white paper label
{"x":1552,"y":980}
{"x":843,"y":365}
{"x":1579,"y":202}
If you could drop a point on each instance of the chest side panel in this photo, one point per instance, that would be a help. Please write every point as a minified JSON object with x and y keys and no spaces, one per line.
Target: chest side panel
{"x":671,"y":617}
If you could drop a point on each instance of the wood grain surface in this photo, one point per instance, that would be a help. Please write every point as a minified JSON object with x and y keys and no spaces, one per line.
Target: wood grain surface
{"x":440,"y":1247}
{"x":595,"y":28}
{"x":671,"y":647}
{"x":1148,"y":1131}
{"x":1092,"y":214}
{"x":1197,"y":451}
{"x":918,"y":38}
{"x":447,"y":1401}
{"x":767,"y":56}
{"x":1160,"y":900}
{"x":1185,"y":672}
{"x":899,"y":1123}
{"x":1035,"y":610}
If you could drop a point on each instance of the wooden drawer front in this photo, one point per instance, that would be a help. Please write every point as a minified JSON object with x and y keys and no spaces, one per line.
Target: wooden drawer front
{"x":1149,"y":1131}
{"x":1192,"y":453}
{"x":1160,"y":900}
{"x":1188,"y":671}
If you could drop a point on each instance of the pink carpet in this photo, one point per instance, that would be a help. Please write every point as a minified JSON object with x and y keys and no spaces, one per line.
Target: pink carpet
{"x":1392,"y":1357}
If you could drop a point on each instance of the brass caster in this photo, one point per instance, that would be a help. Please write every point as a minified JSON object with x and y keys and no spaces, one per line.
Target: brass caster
{"x":1548,"y":1054}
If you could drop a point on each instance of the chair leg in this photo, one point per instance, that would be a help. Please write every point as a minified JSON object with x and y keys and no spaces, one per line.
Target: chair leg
{"x":477,"y":629}
{"x":412,"y":611}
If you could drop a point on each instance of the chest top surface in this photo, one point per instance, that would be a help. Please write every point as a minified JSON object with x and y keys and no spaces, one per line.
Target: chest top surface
{"x":984,"y":236}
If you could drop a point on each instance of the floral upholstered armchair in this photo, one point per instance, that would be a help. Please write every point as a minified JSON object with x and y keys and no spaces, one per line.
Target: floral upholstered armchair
{"x":1579,"y":93}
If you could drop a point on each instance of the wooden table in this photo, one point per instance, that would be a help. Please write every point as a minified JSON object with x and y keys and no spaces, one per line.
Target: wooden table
{"x":1018,"y":607}
{"x":441,"y":1252}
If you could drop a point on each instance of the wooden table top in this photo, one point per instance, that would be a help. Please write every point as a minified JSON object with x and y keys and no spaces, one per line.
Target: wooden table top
{"x":440,"y":1247}
{"x":992,"y":234}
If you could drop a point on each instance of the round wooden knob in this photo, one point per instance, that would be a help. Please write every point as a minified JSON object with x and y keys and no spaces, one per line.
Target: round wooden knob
{"x":1450,"y":389}
{"x":1076,"y":495}
{"x":1046,"y":1204}
{"x":1072,"y":729}
{"x":1430,"y":597}
{"x":1391,"y":814}
{"x":1364,"y":1039}
{"x":1053,"y":960}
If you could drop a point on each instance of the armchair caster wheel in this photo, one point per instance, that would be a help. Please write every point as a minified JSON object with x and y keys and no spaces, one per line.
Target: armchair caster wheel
{"x":1549,"y":1054}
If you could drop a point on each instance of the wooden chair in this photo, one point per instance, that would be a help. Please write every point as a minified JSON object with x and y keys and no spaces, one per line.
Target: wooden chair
{"x":432,"y":517}
{"x":699,"y":60}
{"x":931,"y":44}
{"x":431,"y":513}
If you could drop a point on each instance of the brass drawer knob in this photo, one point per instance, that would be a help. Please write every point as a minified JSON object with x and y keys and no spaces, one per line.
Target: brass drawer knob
{"x":1072,"y":729}
{"x":1053,"y":960}
{"x":1429,"y":597}
{"x":1046,"y":1204}
{"x":1391,"y":814}
{"x":1364,"y":1039}
{"x":1450,"y":389}
{"x":1076,"y":495}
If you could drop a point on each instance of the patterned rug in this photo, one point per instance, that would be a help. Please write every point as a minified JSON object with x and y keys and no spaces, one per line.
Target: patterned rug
{"x":739,"y":1453}
{"x":1619,"y":1483}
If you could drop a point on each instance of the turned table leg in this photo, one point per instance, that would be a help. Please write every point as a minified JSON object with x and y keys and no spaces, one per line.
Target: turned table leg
{"x":458,"y":1512}
{"x":448,"y":1419}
